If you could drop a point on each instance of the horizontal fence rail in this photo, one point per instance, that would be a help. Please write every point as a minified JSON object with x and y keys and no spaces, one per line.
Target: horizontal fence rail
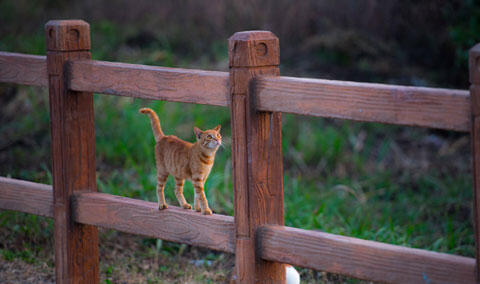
{"x":316,"y":250}
{"x":150,"y":82}
{"x":23,"y":69}
{"x":447,"y":109}
{"x":27,"y":197}
{"x":124,"y":214}
{"x":416,"y":106}
{"x":143,"y":218}
{"x":361,"y":258}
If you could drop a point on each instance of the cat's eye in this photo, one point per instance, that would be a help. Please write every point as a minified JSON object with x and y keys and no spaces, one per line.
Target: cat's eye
{"x":210,"y":136}
{"x":218,"y":136}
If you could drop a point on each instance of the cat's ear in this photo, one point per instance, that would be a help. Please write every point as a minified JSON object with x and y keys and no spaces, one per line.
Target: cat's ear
{"x":198,"y":132}
{"x":217,"y":128}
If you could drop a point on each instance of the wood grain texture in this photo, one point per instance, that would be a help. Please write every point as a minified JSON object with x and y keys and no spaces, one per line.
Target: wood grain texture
{"x":150,"y":82}
{"x":415,"y":106}
{"x":25,"y":196}
{"x":23,"y":69}
{"x":256,"y":154}
{"x":475,"y":144}
{"x":474,"y":70}
{"x":474,"y":64}
{"x":143,"y":218}
{"x":254,"y":49}
{"x":68,"y":35}
{"x":73,"y":154}
{"x":362,"y":259}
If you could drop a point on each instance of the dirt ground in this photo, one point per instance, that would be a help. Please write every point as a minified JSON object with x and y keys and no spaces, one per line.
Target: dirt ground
{"x":19,"y":271}
{"x":127,"y":258}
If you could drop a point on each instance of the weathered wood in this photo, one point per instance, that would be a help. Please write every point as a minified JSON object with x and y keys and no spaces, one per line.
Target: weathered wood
{"x":417,"y":106}
{"x":150,"y":82}
{"x":474,"y":66}
{"x":23,"y":69}
{"x":25,"y":196}
{"x":73,"y":153}
{"x":475,"y":144}
{"x":256,"y":90}
{"x":362,"y":259}
{"x":257,"y":154}
{"x":143,"y":218}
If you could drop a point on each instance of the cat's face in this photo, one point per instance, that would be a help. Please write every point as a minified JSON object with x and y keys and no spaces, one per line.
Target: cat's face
{"x":209,"y":139}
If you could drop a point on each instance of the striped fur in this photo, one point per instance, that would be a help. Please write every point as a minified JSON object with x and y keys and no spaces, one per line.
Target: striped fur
{"x":157,"y":129}
{"x":184,"y":160}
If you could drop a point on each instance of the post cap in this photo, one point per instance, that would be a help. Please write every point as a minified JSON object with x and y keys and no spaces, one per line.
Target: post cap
{"x":67,"y":35}
{"x":253,"y":49}
{"x":474,"y":64}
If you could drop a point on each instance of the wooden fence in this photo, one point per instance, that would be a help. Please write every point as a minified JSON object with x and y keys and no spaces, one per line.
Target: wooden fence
{"x":256,"y":96}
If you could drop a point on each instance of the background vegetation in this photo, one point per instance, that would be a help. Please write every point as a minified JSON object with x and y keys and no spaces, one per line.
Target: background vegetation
{"x":401,"y":185}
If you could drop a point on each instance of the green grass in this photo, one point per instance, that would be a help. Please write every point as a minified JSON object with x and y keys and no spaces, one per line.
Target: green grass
{"x":377,"y":182}
{"x":345,"y":178}
{"x":328,"y":184}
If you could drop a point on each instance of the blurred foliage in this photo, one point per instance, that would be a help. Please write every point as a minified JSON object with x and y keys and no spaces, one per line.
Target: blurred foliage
{"x":466,"y":33}
{"x":400,"y":185}
{"x":407,"y":42}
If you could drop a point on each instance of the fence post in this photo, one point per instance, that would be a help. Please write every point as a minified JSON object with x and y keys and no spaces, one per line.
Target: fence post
{"x":73,"y":152}
{"x":474,"y":66}
{"x":257,"y":154}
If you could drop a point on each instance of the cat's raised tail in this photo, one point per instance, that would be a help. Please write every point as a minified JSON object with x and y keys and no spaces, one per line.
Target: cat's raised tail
{"x":157,"y":129}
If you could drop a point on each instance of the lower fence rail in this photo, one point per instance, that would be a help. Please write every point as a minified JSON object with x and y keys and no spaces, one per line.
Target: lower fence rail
{"x":124,"y":214}
{"x":143,"y":218}
{"x":354,"y":257}
{"x":362,"y":259}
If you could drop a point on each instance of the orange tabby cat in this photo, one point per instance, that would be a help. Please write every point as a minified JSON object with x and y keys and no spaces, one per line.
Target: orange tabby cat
{"x":184,"y":160}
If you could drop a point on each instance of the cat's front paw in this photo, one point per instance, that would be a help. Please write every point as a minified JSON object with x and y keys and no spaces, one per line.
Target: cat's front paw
{"x":162,"y":206}
{"x":207,"y":212}
{"x":197,"y":207}
{"x":187,"y":206}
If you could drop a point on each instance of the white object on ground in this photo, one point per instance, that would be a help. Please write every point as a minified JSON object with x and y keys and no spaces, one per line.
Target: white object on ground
{"x":292,"y":275}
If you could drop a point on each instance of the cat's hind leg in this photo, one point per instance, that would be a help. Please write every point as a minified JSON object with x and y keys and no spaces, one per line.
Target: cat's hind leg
{"x":179,"y":193}
{"x":161,"y":180}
